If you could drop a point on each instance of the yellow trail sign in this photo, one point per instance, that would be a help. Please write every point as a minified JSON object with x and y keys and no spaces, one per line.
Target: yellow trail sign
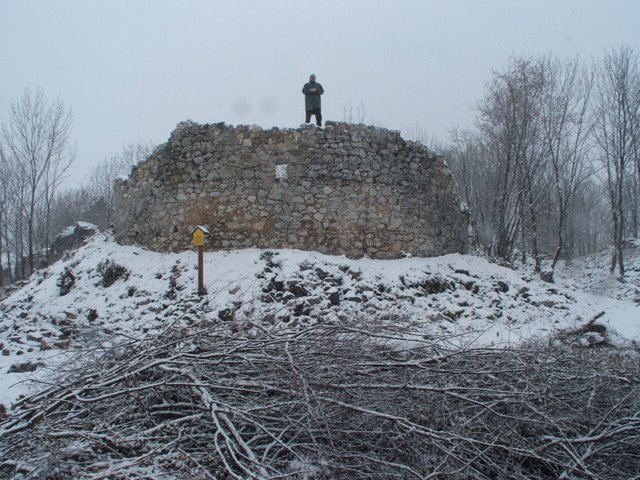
{"x":198,"y":237}
{"x":198,"y":234}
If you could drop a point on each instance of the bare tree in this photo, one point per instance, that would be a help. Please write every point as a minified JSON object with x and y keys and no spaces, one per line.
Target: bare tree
{"x":71,"y":206}
{"x":522,"y":170}
{"x":103,"y":177}
{"x":616,"y":110}
{"x":14,"y":187}
{"x":472,"y":168}
{"x":566,"y":132}
{"x":510,"y":126}
{"x":635,"y":134}
{"x":93,"y":201}
{"x":632,"y":194}
{"x":588,"y":222}
{"x":4,"y":216}
{"x":36,"y":137}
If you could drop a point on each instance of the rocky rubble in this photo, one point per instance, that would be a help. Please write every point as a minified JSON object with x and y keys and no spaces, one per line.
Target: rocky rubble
{"x":464,"y":299}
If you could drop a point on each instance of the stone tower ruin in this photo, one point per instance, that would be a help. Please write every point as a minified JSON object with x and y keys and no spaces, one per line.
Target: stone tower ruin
{"x":345,"y":189}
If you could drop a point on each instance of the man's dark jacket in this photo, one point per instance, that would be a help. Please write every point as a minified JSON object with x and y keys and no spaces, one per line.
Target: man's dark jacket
{"x":312,"y":99}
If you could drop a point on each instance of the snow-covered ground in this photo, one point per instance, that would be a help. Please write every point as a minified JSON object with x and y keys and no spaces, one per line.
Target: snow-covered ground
{"x":463,"y":299}
{"x":619,"y":302}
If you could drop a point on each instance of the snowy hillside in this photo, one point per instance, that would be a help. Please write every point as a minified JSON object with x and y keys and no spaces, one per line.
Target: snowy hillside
{"x":461,"y":299}
{"x":306,"y":366}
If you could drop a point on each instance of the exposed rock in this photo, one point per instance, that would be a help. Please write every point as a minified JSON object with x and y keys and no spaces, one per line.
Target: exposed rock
{"x":24,"y":367}
{"x":226,"y":314}
{"x":297,"y":288}
{"x":334,"y":298}
{"x":65,"y":281}
{"x":547,"y":276}
{"x":73,"y":237}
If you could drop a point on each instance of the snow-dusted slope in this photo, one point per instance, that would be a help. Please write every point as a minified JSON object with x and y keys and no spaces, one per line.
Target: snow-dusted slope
{"x":463,"y":299}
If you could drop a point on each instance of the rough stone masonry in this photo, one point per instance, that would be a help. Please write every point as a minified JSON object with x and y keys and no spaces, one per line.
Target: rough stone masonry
{"x":345,"y":189}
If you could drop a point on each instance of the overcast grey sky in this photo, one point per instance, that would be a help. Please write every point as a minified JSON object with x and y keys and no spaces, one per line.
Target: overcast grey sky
{"x":130,"y":70}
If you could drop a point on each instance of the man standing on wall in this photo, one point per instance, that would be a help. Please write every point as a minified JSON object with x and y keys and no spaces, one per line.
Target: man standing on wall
{"x":312,"y":91}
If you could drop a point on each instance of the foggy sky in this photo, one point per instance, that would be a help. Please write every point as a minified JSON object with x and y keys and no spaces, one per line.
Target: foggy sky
{"x":130,"y":70}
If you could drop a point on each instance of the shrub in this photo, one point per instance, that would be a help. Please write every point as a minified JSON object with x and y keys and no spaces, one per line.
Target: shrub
{"x":110,"y":271}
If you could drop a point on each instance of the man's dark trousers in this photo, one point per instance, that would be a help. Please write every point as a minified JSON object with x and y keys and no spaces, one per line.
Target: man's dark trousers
{"x":317,"y":113}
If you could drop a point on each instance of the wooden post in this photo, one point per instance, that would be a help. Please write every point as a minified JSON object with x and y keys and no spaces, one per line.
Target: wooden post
{"x":201,"y":289}
{"x":198,"y":234}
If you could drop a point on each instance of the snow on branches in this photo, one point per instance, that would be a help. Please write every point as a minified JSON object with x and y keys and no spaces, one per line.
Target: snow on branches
{"x":351,"y":400}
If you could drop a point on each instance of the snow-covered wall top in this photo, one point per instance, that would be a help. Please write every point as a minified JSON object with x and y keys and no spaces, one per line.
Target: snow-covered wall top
{"x":345,"y":189}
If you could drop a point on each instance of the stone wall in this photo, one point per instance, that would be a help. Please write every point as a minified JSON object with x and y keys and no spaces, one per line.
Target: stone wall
{"x":345,"y":189}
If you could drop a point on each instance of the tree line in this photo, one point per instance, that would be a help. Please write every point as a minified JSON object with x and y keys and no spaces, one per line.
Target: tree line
{"x":551,"y":169}
{"x":35,"y":155}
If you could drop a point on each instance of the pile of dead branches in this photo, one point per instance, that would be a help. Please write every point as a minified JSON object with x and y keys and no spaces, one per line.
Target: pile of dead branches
{"x":332,"y":401}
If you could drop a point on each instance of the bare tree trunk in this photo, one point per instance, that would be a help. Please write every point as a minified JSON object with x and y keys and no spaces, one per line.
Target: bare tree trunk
{"x":620,"y":224}
{"x":614,"y":218}
{"x":3,"y":217}
{"x":635,"y":212}
{"x":1,"y":260}
{"x":30,"y":235}
{"x":534,"y":239}
{"x":636,"y":183}
{"x":8,"y":256}
{"x":559,"y":240}
{"x":19,"y":250}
